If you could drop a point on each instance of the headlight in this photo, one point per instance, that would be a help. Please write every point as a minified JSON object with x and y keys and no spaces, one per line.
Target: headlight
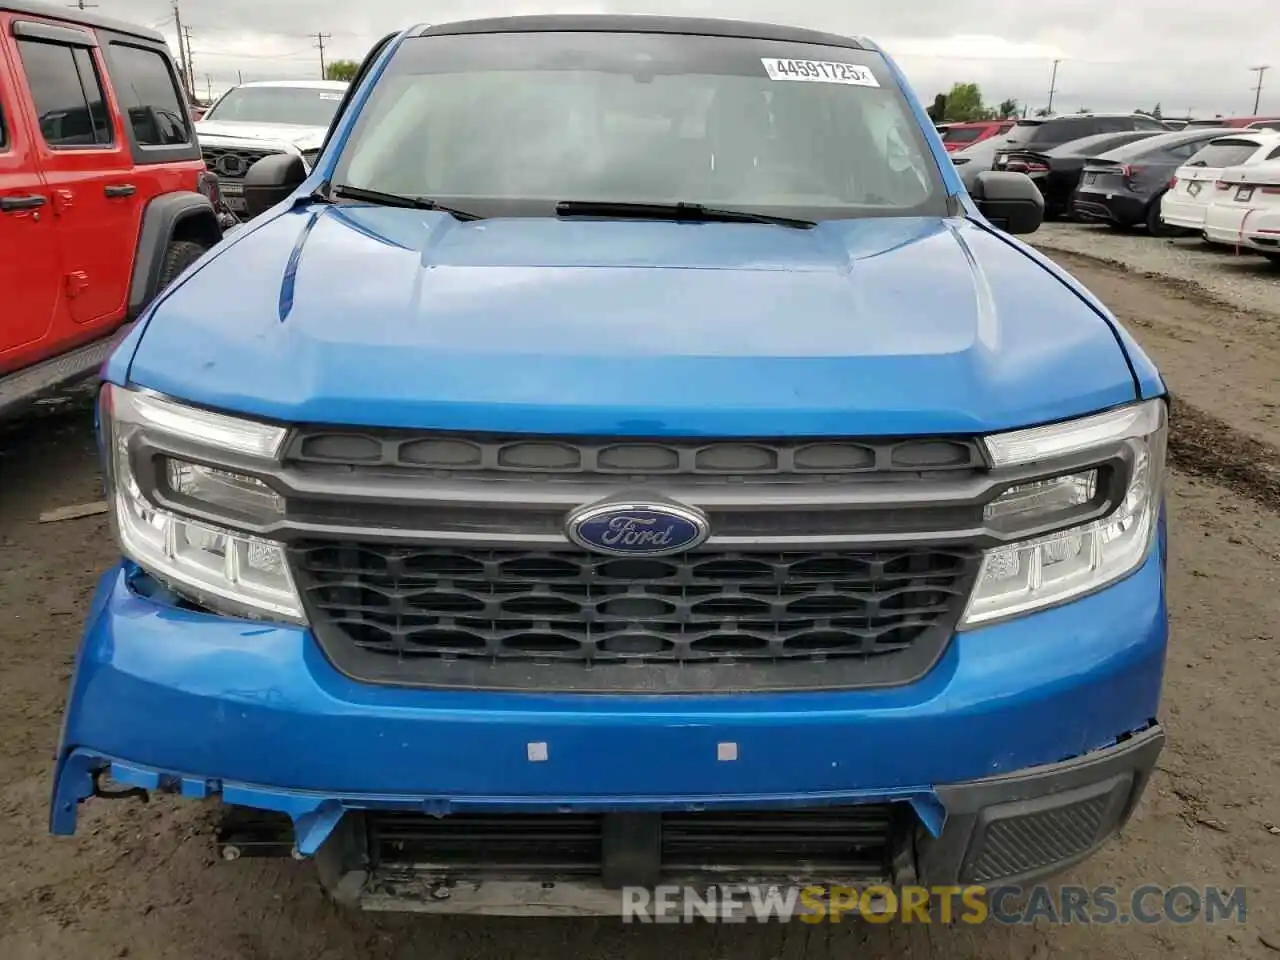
{"x":215,"y":566}
{"x":1050,"y":570}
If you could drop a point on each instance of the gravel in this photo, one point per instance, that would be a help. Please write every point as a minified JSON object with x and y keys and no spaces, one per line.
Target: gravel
{"x":1243,"y":280}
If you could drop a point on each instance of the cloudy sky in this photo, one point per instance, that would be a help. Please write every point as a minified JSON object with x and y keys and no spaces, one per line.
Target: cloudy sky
{"x":1187,"y":55}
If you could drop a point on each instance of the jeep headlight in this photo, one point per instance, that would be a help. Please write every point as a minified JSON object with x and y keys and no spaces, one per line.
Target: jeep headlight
{"x":1029,"y":575}
{"x":214,"y":565}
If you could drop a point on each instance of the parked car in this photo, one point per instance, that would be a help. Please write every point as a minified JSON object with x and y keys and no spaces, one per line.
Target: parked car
{"x":1272,"y":124}
{"x":531,"y":515}
{"x":1056,"y":171}
{"x":1231,"y":122}
{"x":104,"y":198}
{"x":262,"y":118}
{"x":957,"y":136}
{"x":1124,"y":186}
{"x":1044,"y":133}
{"x":1192,"y":188}
{"x":1240,"y":195}
{"x":971,"y":161}
{"x":1261,"y":233}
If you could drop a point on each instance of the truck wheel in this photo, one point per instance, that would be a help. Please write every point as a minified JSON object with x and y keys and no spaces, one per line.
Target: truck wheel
{"x":179,"y":255}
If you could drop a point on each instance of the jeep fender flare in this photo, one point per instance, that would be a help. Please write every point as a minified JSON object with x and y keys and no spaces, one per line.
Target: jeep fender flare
{"x":184,"y":215}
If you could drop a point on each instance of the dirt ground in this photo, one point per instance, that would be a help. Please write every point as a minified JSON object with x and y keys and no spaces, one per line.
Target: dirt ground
{"x":141,"y":881}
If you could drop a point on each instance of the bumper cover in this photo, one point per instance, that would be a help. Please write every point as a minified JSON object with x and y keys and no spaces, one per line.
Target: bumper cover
{"x":1184,"y":213}
{"x":1109,"y":207}
{"x":201,"y":705}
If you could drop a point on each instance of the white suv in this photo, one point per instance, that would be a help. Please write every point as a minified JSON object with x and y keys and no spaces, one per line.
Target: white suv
{"x":257,"y":119}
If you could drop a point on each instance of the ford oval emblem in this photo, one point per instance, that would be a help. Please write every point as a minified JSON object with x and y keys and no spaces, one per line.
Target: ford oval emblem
{"x":637,"y":529}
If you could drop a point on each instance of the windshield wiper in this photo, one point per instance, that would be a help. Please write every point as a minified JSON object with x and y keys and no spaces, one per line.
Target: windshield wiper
{"x":398,"y":200}
{"x":681,"y":212}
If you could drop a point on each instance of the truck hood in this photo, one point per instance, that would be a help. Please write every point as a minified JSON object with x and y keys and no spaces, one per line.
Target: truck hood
{"x":392,"y":317}
{"x":301,"y":136}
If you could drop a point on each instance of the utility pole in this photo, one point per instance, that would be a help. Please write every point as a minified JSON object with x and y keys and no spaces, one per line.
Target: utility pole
{"x":191,"y":66}
{"x":208,"y":87}
{"x":320,"y":39}
{"x":182,"y":52}
{"x":1053,"y":84}
{"x":1257,"y":91}
{"x":239,"y":78}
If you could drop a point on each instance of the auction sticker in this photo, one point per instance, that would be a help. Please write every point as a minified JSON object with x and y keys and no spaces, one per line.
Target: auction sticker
{"x":819,"y":71}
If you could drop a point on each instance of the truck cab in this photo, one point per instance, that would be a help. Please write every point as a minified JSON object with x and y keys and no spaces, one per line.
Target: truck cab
{"x":631,"y":458}
{"x":104,"y":197}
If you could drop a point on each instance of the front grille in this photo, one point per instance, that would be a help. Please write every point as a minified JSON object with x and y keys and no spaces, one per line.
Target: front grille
{"x":511,"y":458}
{"x":440,"y":559}
{"x":232,"y":163}
{"x":851,"y":843}
{"x":415,"y":605}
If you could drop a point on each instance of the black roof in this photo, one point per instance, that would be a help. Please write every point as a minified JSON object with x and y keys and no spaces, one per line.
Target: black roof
{"x":82,"y":17}
{"x":628,"y":23}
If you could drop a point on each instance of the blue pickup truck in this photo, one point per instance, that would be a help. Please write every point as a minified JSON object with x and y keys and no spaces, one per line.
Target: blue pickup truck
{"x":629,"y":457}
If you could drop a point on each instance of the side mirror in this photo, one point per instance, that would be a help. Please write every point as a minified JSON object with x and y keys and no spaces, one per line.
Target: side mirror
{"x":1011,"y":201}
{"x":270,"y":180}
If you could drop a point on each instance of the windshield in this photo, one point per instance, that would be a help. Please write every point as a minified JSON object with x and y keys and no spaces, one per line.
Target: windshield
{"x":1224,"y":153}
{"x":962,"y":134}
{"x":1023,"y":132}
{"x":511,"y":123}
{"x":306,"y":106}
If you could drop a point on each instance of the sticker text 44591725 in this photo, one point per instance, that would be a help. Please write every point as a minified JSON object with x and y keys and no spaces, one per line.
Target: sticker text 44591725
{"x":819,"y":71}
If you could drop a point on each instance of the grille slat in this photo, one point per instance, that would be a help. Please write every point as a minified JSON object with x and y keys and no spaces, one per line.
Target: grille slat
{"x":570,"y":458}
{"x":849,"y":843}
{"x":414,"y":602}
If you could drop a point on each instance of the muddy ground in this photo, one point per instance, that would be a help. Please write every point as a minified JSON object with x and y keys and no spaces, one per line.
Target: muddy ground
{"x":142,"y":881}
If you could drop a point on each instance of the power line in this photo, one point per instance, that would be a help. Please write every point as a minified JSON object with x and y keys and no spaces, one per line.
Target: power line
{"x":320,"y":39}
{"x":1257,"y":91}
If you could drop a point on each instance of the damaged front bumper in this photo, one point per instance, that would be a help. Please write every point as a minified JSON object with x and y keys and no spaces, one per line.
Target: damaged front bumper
{"x":1024,"y":748}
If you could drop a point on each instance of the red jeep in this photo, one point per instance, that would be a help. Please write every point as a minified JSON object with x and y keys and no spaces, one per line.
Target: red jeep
{"x":104,"y":197}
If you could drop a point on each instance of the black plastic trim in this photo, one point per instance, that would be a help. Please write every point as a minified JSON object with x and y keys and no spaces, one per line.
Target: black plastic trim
{"x":160,"y":223}
{"x":1124,"y":767}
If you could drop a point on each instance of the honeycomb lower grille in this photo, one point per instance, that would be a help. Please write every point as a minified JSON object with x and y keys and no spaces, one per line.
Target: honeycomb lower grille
{"x":575,"y":607}
{"x":232,"y":163}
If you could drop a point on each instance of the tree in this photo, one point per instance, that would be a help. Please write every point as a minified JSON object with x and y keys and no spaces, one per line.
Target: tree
{"x":938,"y":112}
{"x":1043,"y":112}
{"x":964,"y":102}
{"x":1008,"y":109}
{"x":344,"y":70}
{"x":1084,"y":110}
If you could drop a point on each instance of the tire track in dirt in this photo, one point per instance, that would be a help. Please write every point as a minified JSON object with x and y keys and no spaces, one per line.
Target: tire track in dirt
{"x":1209,"y":447}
